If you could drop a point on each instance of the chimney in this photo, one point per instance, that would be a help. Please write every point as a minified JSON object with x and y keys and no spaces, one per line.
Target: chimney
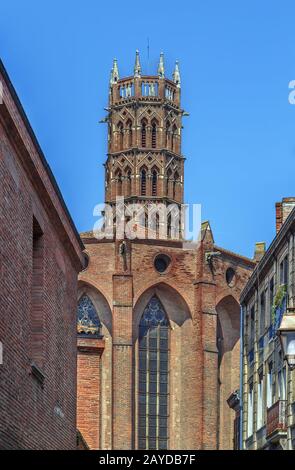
{"x":259,"y":251}
{"x":283,"y":209}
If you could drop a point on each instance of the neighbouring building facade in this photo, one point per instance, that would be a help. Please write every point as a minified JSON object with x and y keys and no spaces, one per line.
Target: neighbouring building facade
{"x":268,"y":389}
{"x":40,"y":257}
{"x":158,"y":321}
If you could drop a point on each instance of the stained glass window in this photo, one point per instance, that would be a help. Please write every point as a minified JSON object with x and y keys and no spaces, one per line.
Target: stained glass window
{"x":153,"y":387}
{"x":88,"y":322}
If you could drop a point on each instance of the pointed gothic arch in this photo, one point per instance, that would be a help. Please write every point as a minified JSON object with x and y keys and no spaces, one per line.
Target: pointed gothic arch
{"x":155,"y":175}
{"x":167,"y":135}
{"x":173,"y":138}
{"x":119,"y":182}
{"x":169,"y":225}
{"x":143,"y":132}
{"x":228,"y":346}
{"x":120,"y":131}
{"x":178,"y":359}
{"x":88,"y":321}
{"x":154,"y":124}
{"x":128,"y":175}
{"x":153,"y":386}
{"x":94,"y":370}
{"x":175,"y":181}
{"x":168,"y":181}
{"x":129,"y":133}
{"x":143,"y":178}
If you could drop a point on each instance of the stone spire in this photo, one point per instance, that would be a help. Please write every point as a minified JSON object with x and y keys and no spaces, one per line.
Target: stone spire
{"x":111,"y":77}
{"x":161,"y":68}
{"x":114,"y":73}
{"x":137,"y":67}
{"x":176,"y":74}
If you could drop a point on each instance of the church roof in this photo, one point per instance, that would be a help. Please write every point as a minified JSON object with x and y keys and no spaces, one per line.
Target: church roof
{"x":235,"y":255}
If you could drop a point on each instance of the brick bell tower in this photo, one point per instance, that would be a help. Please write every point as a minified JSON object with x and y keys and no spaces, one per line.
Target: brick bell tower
{"x":158,"y":320}
{"x":144,"y":162}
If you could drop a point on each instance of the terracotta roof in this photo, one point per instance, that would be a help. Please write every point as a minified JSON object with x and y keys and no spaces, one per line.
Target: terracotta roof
{"x":235,"y":255}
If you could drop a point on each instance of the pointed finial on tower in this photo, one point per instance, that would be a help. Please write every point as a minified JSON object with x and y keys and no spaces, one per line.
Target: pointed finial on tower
{"x":176,"y":75}
{"x":114,"y":73}
{"x":137,"y":67}
{"x":161,"y":68}
{"x":111,"y":76}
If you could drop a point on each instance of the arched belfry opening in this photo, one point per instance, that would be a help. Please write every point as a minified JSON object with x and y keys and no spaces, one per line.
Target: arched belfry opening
{"x":143,"y":178}
{"x":143,"y":133}
{"x":153,"y":386}
{"x":154,"y":133}
{"x":154,"y":181}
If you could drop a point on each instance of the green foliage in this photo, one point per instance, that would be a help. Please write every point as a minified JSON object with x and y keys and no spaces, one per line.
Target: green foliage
{"x":279,"y":297}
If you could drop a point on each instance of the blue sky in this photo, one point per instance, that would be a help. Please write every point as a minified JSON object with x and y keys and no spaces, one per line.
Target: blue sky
{"x":236,"y":60}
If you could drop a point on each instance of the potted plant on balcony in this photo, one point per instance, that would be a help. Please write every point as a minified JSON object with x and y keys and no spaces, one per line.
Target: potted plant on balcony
{"x":278,"y":302}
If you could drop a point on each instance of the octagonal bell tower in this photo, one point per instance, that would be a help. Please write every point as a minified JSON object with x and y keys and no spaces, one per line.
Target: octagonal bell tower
{"x":161,"y":375}
{"x":144,"y":162}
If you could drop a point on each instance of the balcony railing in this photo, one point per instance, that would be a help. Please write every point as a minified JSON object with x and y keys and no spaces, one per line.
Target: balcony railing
{"x":276,"y":421}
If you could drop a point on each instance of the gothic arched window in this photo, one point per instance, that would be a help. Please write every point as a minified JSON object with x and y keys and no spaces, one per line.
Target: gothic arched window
{"x":88,"y":322}
{"x":129,"y":182}
{"x":154,"y":134}
{"x":120,"y":136}
{"x":119,"y":184}
{"x":176,"y":178}
{"x":154,"y":182}
{"x":143,"y":133}
{"x":143,"y":182}
{"x":153,"y":387}
{"x":169,"y":226}
{"x":173,"y":143}
{"x":129,"y":129}
{"x":169,"y":173}
{"x":167,"y":134}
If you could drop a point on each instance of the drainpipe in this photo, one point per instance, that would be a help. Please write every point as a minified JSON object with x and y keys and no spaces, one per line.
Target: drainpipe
{"x":241,"y":376}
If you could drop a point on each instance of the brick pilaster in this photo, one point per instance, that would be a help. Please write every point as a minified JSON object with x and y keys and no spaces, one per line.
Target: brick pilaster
{"x":122,"y":352}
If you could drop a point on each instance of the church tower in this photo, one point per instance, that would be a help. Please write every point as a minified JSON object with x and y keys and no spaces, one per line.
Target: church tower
{"x":144,"y":162}
{"x":158,"y":319}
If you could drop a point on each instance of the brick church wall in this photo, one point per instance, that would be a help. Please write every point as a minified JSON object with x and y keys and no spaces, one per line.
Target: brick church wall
{"x":147,"y":166}
{"x":38,"y":290}
{"x":193,"y":299}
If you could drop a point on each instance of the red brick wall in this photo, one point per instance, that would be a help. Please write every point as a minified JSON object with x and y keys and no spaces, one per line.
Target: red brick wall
{"x":33,"y":416}
{"x":283,"y":209}
{"x":191,"y":292}
{"x":88,"y":390}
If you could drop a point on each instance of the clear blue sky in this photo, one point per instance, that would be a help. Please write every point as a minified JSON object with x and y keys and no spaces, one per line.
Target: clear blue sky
{"x":236,"y":61}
